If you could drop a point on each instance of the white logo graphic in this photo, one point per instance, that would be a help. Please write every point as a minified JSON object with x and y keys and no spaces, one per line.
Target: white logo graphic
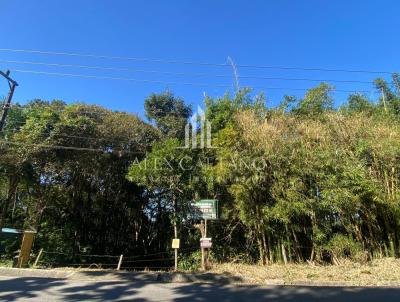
{"x":192,"y":128}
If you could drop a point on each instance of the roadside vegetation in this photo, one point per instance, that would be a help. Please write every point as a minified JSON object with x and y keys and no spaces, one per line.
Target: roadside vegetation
{"x":378,"y":272}
{"x":304,"y":182}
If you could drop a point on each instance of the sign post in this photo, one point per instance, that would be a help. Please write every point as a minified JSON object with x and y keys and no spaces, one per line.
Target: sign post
{"x":203,"y":235}
{"x":204,"y":210}
{"x":175,"y":246}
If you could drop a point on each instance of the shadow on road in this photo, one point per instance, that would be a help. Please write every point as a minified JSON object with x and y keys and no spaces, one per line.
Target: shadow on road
{"x":205,"y":292}
{"x":141,"y":287}
{"x":25,"y":287}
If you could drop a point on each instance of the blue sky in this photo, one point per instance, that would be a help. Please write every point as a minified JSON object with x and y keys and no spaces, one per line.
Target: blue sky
{"x":314,"y":33}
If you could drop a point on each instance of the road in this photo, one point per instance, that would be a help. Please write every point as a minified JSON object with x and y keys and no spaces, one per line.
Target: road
{"x":45,"y":289}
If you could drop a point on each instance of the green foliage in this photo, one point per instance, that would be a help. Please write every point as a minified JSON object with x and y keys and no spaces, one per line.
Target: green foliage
{"x":190,"y":262}
{"x":6,"y":263}
{"x":168,"y":112}
{"x":221,"y":111}
{"x":303,"y":181}
{"x":342,"y":246}
{"x":389,"y":100}
{"x":316,"y":101}
{"x":67,"y":193}
{"x":359,"y":103}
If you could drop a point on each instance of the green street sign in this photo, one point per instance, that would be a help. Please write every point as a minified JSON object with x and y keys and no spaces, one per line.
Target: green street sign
{"x":205,"y":209}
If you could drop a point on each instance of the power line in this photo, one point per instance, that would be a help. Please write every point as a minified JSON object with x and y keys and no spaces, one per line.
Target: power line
{"x":111,"y":57}
{"x":105,"y":68}
{"x":113,"y":68}
{"x":117,"y":78}
{"x":192,"y":62}
{"x":165,"y":82}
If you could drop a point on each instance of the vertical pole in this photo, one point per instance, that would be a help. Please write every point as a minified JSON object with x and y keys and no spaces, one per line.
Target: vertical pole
{"x":203,"y":266}
{"x":175,"y":234}
{"x":284,"y":254}
{"x":7,"y":104}
{"x":383,"y":99}
{"x":38,"y":257}
{"x":176,"y":259}
{"x":25,"y":250}
{"x":206,"y":249}
{"x":120,"y":262}
{"x":20,"y":260}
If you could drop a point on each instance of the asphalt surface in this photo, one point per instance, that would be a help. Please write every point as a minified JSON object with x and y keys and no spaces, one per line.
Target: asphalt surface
{"x":46,"y":289}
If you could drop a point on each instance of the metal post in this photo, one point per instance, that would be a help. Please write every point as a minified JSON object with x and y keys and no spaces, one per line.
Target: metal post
{"x":38,"y":257}
{"x":119,"y":262}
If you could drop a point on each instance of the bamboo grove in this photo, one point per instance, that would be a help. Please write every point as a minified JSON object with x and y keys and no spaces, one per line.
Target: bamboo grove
{"x":303,"y":181}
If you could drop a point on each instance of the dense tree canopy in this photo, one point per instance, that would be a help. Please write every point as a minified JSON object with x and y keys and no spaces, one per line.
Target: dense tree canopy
{"x":304,"y":181}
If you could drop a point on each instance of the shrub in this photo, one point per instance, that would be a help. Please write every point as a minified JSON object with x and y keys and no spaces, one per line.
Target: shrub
{"x":344,"y":247}
{"x":190,"y":262}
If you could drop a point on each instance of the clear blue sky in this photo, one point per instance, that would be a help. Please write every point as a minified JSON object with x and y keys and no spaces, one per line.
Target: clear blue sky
{"x":358,"y":34}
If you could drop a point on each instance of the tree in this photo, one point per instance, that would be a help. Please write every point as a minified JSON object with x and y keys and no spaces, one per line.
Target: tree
{"x":316,"y":101}
{"x":389,"y":100}
{"x":169,"y":113}
{"x":359,"y":103}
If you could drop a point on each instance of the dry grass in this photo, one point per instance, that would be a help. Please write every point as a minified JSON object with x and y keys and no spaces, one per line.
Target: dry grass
{"x":378,"y":272}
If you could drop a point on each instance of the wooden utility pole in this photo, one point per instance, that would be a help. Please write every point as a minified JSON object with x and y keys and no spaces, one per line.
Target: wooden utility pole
{"x":7,"y":104}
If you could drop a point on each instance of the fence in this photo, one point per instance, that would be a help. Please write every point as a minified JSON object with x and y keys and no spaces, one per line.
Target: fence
{"x":154,"y":261}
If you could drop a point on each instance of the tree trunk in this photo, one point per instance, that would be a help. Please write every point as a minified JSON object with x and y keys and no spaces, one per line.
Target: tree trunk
{"x":297,"y":247}
{"x":12,"y":189}
{"x":284,"y":253}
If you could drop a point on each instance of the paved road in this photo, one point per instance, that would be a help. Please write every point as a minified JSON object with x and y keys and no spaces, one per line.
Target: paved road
{"x":43,"y":289}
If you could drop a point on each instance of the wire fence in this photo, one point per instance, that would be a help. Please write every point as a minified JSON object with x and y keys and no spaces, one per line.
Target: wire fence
{"x":152,"y":261}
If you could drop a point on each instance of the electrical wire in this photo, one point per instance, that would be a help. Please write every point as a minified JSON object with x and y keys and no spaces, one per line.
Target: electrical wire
{"x":73,"y":54}
{"x":165,"y":82}
{"x":116,"y":78}
{"x":179,"y":73}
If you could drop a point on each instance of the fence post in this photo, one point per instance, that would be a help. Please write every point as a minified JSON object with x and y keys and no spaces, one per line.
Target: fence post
{"x":38,"y":257}
{"x":119,"y":262}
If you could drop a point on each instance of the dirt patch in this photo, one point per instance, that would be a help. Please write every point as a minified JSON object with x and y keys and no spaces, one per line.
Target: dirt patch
{"x":376,"y":273}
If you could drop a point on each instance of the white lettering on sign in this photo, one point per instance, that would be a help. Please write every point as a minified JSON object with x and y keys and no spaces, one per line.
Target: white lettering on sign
{"x":205,"y":243}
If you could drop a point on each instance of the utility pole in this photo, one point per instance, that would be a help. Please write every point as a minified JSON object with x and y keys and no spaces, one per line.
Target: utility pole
{"x":7,"y":104}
